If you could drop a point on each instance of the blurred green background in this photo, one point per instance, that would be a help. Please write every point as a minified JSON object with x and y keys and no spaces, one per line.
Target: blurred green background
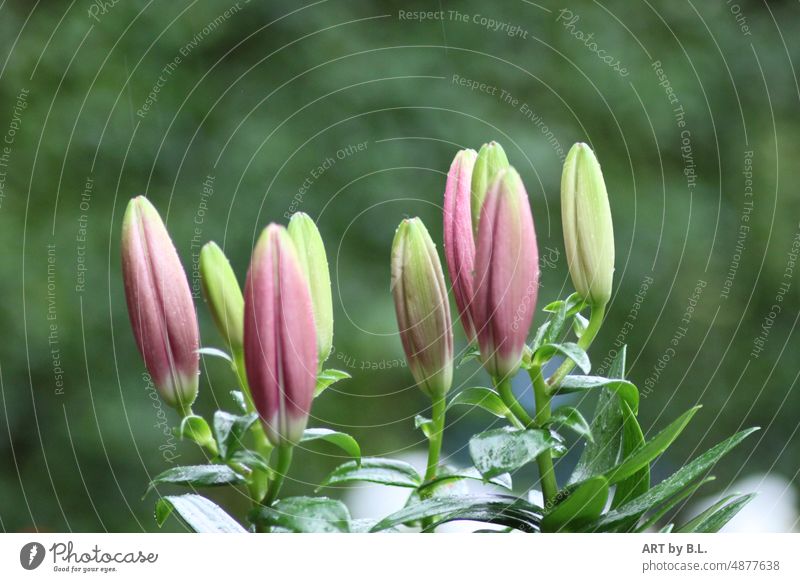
{"x":230,"y":115}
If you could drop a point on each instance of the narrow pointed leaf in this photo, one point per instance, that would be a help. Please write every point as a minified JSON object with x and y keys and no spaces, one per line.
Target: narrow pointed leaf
{"x":375,"y":470}
{"x":715,"y":517}
{"x":571,"y":418}
{"x":485,"y":398}
{"x":202,"y":515}
{"x":653,"y":448}
{"x":632,"y":440}
{"x":342,"y":440}
{"x":197,"y":476}
{"x":568,"y":349}
{"x":626,"y":390}
{"x":328,"y":378}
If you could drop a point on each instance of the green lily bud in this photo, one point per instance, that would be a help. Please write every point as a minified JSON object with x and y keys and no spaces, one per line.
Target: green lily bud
{"x":491,"y":161}
{"x":588,"y":230}
{"x":314,"y":262}
{"x":223,"y":294}
{"x":422,"y":308}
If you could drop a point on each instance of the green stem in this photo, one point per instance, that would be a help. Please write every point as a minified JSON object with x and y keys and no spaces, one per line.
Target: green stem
{"x":547,"y":475}
{"x":281,"y":469}
{"x":524,"y":420}
{"x":435,"y":440}
{"x":595,"y":321}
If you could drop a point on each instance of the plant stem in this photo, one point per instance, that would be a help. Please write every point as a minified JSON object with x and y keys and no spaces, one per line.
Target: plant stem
{"x":547,"y":474}
{"x":281,"y":468}
{"x":435,"y":440}
{"x":595,"y":321}
{"x":507,"y":396}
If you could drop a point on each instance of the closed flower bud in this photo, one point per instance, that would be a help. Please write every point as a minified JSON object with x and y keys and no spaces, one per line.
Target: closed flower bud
{"x":280,"y":346}
{"x":491,"y":161}
{"x":160,"y":305}
{"x":588,"y":230}
{"x":459,"y":242}
{"x":311,"y":253}
{"x":506,"y":275}
{"x":223,"y":294}
{"x":422,"y":307}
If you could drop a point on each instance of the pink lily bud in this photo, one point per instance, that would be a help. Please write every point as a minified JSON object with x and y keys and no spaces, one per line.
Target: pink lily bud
{"x":459,"y":243}
{"x":280,"y":339}
{"x":506,"y":275}
{"x":422,"y":308}
{"x":160,"y":305}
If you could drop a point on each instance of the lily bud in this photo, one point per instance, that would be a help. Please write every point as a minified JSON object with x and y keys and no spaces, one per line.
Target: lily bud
{"x":506,"y":275}
{"x":223,"y":294}
{"x":459,"y":243}
{"x":422,"y":308}
{"x":491,"y":161}
{"x":280,"y":347}
{"x":160,"y":305}
{"x":588,"y":230}
{"x":311,"y":253}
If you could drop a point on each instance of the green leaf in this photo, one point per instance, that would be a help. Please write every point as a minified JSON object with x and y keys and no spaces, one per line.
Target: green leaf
{"x":197,"y":476}
{"x":340,"y":439}
{"x":238,"y":398}
{"x":679,"y":481}
{"x":471,"y":353}
{"x":574,"y":303}
{"x":196,"y":428}
{"x":667,"y":528}
{"x":576,"y":383}
{"x":568,"y":349}
{"x":200,"y":514}
{"x":642,"y":456}
{"x":472,"y":473}
{"x":215,"y":353}
{"x":485,"y":398}
{"x":229,"y":431}
{"x":579,"y":325}
{"x":502,"y":510}
{"x":665,"y":507}
{"x":715,"y":517}
{"x":571,"y":418}
{"x":424,"y":424}
{"x":557,"y":324}
{"x":251,"y":459}
{"x":603,"y":454}
{"x":305,"y":515}
{"x":632,"y":440}
{"x":328,"y":378}
{"x":374,"y":470}
{"x":538,"y":339}
{"x":503,"y":450}
{"x":584,"y":504}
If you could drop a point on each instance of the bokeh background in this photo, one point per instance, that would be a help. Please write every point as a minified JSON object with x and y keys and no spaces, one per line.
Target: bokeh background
{"x":229,"y":115}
